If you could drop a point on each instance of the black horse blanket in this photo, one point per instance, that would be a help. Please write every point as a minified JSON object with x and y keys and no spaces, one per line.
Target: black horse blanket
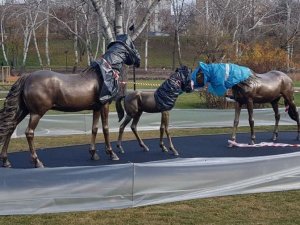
{"x":110,"y":65}
{"x":110,"y":85}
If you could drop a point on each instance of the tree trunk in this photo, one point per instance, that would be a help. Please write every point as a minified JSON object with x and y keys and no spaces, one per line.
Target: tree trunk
{"x":177,"y":14}
{"x":37,"y":48}
{"x":146,"y":19}
{"x":119,"y":17}
{"x":98,"y":40}
{"x":288,"y":35}
{"x":103,"y":45}
{"x":2,"y":40}
{"x":47,"y":35}
{"x":146,"y":51}
{"x":174,"y":53}
{"x":75,"y":46}
{"x":178,"y":47}
{"x":105,"y":25}
{"x":26,"y":41}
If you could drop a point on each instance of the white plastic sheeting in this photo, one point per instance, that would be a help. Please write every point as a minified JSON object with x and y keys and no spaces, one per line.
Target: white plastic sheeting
{"x":66,"y":189}
{"x":67,"y":124}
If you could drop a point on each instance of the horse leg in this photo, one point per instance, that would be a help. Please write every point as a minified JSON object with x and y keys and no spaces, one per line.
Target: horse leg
{"x":33,"y":122}
{"x":134,"y":130}
{"x":294,"y":110}
{"x":277,"y":118}
{"x":238,"y":107}
{"x":4,"y":155}
{"x":104,"y":119}
{"x":165,"y":120}
{"x":251,"y":120}
{"x":121,"y":131}
{"x":92,"y":150}
{"x":162,"y":131}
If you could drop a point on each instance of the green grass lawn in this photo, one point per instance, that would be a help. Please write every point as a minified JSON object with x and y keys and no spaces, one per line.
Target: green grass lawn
{"x":296,"y":83}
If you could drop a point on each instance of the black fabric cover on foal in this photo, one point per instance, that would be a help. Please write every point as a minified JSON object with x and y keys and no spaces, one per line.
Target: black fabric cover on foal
{"x":167,"y":93}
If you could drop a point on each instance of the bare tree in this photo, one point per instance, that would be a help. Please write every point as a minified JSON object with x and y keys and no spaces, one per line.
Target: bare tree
{"x":30,"y":18}
{"x":47,"y":34}
{"x":119,"y":26}
{"x":4,"y":15}
{"x":290,"y":21}
{"x":178,"y":11}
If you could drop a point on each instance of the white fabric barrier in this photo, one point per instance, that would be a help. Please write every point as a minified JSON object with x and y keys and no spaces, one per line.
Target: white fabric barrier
{"x":68,"y":124}
{"x":65,"y":189}
{"x":68,"y":189}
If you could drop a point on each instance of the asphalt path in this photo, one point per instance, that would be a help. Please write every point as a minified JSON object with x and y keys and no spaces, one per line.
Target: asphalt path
{"x":200,"y":146}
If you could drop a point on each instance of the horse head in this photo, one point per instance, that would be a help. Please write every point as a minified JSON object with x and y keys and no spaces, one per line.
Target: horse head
{"x":185,"y":79}
{"x":133,"y":56}
{"x":200,"y":78}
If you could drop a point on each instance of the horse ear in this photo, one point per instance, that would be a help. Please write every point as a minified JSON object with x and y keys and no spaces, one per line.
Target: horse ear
{"x":131,"y":28}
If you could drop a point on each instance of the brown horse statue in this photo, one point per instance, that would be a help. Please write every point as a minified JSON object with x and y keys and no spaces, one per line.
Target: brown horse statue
{"x":40,"y":91}
{"x":259,"y":88}
{"x":162,"y":100}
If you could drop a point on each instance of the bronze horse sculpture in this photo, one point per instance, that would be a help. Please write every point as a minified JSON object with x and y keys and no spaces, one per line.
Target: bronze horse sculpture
{"x":40,"y":91}
{"x":258,"y":88}
{"x":162,"y":100}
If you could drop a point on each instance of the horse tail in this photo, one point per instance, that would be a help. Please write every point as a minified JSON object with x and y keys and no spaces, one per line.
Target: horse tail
{"x":119,"y":107}
{"x":291,"y":111}
{"x":13,"y":111}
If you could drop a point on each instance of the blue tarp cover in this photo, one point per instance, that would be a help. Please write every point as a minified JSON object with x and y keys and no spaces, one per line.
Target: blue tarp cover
{"x":221,"y":76}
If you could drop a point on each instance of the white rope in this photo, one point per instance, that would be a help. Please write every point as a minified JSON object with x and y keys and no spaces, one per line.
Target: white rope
{"x":262,"y":144}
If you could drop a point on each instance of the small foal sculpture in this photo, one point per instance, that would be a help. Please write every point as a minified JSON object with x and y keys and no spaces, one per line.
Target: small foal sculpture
{"x":250,"y":89}
{"x":38,"y":92}
{"x":162,"y":100}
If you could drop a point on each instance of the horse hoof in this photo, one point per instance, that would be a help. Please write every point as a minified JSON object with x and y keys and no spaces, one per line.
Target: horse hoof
{"x":146,"y":149}
{"x":6,"y":165}
{"x":114,"y":157}
{"x":164,"y":149}
{"x":95,"y":157}
{"x":174,"y":151}
{"x":121,"y":150}
{"x":39,"y":165}
{"x":230,"y":145}
{"x":275,"y":136}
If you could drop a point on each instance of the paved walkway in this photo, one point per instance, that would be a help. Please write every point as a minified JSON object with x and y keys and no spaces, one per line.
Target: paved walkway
{"x":68,"y":124}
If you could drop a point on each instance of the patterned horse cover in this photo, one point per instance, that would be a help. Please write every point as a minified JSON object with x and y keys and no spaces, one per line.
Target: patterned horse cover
{"x":167,"y":93}
{"x":221,"y":76}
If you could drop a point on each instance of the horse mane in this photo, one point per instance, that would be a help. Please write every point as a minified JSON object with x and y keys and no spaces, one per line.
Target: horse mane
{"x":242,"y":87}
{"x":87,"y":70}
